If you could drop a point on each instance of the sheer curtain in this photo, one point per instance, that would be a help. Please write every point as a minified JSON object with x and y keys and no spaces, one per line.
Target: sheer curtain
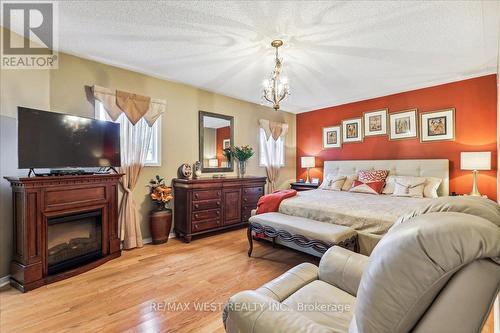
{"x":134,"y":145}
{"x":136,"y":115}
{"x":272,"y":145}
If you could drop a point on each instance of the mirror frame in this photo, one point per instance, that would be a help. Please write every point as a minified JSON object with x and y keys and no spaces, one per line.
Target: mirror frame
{"x":201,"y":126}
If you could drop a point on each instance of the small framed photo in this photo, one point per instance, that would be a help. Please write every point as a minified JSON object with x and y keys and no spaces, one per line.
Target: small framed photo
{"x":437,"y":125}
{"x":315,"y":181}
{"x":375,"y":122}
{"x":403,"y":125}
{"x":352,"y":130}
{"x":226,"y":143}
{"x":332,"y":137}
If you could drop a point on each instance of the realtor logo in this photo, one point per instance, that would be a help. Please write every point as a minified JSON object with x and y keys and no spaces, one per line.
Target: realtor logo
{"x":29,"y":38}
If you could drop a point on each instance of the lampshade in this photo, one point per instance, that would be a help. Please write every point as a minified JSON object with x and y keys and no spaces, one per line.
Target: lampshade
{"x":475,"y":160}
{"x":213,"y":163}
{"x":307,"y":162}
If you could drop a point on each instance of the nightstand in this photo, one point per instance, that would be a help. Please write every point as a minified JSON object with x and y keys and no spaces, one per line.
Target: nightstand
{"x":303,"y":186}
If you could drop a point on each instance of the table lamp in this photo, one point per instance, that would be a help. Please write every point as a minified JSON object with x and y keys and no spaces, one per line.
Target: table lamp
{"x":308,"y":162}
{"x":475,"y":161}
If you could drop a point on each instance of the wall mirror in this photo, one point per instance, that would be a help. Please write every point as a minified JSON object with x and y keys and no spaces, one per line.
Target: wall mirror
{"x":215,"y":134}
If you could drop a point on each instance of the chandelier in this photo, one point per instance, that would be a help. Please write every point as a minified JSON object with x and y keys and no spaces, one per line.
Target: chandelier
{"x":276,"y":88}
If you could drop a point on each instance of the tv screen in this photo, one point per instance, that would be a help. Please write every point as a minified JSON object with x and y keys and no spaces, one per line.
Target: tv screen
{"x":54,"y":140}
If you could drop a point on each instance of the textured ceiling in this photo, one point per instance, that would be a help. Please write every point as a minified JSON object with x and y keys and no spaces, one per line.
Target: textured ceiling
{"x":335,"y":52}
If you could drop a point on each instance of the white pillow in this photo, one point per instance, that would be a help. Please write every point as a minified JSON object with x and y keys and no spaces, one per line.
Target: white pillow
{"x":430,"y":187}
{"x":389,"y":185}
{"x":333,"y":183}
{"x":409,"y":189}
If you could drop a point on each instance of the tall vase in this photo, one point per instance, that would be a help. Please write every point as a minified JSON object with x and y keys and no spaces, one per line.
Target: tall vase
{"x":242,"y":168}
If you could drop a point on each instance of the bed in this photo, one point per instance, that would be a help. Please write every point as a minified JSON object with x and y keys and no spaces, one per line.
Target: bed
{"x":370,"y":215}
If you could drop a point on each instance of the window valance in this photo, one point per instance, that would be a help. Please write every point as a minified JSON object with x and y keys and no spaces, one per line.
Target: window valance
{"x":134,"y":106}
{"x":273,"y":128}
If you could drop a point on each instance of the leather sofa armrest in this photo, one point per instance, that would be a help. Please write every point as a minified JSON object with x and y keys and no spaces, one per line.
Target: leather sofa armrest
{"x":342,"y":268}
{"x":289,"y":282}
{"x":252,"y":312}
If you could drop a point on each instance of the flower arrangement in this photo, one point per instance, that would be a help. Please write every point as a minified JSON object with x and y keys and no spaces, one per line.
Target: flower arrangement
{"x":160,"y":193}
{"x":242,"y":153}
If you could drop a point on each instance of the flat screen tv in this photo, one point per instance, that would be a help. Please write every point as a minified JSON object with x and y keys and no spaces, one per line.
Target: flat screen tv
{"x":55,"y":140}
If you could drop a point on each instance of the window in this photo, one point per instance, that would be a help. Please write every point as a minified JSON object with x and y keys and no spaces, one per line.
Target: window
{"x":153,"y":157}
{"x":262,"y":149}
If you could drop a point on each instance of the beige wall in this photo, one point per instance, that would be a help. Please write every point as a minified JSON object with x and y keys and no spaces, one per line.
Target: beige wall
{"x":63,"y":90}
{"x":17,"y":87}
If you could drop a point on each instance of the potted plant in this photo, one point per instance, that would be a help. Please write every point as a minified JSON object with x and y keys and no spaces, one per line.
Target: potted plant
{"x":160,"y":217}
{"x":242,"y":154}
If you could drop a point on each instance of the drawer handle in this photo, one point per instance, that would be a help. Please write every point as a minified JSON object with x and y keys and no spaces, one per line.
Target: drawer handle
{"x":196,"y":215}
{"x":245,"y":199}
{"x":260,"y":190}
{"x":218,"y":222}
{"x":196,"y":227}
{"x":196,"y":196}
{"x":218,"y":193}
{"x":196,"y":206}
{"x":218,"y":213}
{"x":218,"y":203}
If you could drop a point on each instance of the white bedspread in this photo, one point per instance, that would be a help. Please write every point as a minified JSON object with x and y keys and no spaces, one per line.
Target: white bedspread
{"x":364,"y":212}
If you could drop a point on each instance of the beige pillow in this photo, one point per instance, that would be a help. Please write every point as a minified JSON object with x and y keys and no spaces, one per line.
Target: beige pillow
{"x":333,"y":183}
{"x":348,"y":181}
{"x":409,"y":189}
{"x":430,"y":187}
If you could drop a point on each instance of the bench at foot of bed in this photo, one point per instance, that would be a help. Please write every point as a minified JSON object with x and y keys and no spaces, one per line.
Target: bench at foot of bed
{"x":303,"y":232}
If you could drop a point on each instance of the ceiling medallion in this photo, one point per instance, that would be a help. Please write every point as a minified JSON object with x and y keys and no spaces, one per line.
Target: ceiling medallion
{"x":276,"y":87}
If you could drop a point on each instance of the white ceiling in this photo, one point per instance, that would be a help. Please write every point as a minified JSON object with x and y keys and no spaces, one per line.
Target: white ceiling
{"x":212,"y":122}
{"x":335,"y":52}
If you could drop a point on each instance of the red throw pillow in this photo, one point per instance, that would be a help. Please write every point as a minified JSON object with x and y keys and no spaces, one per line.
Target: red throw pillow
{"x":368,"y":176}
{"x":368,"y":187}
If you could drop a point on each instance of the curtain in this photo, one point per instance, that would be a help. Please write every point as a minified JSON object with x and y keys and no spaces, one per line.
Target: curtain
{"x":135,"y":114}
{"x":134,"y":146}
{"x":273,"y":150}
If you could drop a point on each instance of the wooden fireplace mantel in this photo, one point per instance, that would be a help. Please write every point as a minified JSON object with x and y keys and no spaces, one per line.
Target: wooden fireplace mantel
{"x":36,"y":199}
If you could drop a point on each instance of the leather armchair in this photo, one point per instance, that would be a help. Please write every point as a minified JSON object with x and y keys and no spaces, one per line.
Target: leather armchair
{"x":439,"y":273}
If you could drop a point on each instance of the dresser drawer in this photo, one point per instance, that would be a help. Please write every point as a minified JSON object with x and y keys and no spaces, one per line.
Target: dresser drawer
{"x":204,"y":205}
{"x":206,"y":215}
{"x":252,"y":191}
{"x":206,"y":195}
{"x":204,"y":225}
{"x":251,"y":200}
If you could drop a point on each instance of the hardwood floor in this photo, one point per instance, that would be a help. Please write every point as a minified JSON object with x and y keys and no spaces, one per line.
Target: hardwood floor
{"x":122,"y":295}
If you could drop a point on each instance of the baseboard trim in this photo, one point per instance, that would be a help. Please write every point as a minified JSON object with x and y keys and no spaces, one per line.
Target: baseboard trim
{"x":150,"y":240}
{"x":4,"y":280}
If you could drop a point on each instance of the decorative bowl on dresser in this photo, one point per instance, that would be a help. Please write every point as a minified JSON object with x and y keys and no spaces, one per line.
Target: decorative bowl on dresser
{"x":213,"y":204}
{"x":63,"y":226}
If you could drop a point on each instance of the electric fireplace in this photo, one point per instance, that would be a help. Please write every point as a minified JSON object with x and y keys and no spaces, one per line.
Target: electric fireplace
{"x":73,"y":240}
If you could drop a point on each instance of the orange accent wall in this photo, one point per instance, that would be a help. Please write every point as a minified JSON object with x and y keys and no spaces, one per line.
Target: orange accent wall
{"x":475,"y":102}
{"x":222,"y":134}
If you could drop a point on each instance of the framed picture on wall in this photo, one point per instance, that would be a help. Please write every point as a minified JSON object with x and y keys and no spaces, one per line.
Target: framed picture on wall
{"x":403,"y":125}
{"x":375,"y":122}
{"x":332,"y":137}
{"x":352,"y":130}
{"x":226,"y":143}
{"x":437,"y":125}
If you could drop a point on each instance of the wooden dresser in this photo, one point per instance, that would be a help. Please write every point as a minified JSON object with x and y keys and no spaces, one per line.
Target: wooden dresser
{"x":213,"y":204}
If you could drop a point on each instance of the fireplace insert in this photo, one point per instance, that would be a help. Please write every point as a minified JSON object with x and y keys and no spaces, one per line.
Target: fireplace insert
{"x":73,"y":240}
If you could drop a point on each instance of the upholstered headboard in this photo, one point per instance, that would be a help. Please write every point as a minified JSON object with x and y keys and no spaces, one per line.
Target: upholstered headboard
{"x":420,"y":168}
